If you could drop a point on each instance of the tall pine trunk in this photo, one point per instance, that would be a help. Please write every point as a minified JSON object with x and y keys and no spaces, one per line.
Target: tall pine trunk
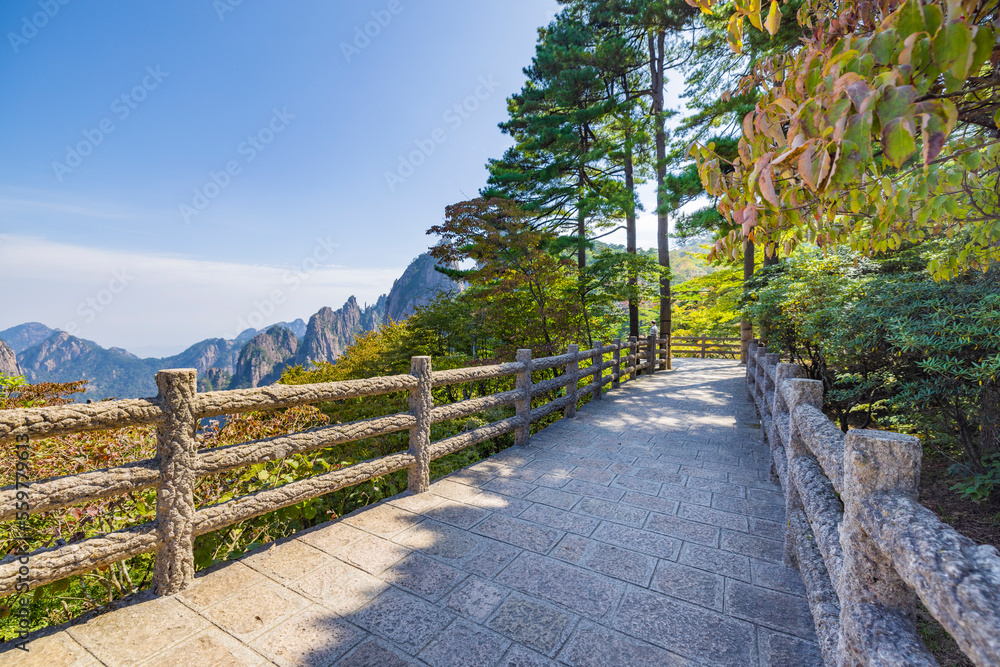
{"x":656,"y":62}
{"x":630,"y":247}
{"x":746,"y":326}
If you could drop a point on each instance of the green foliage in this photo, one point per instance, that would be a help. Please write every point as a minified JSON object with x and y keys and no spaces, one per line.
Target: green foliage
{"x":891,"y":345}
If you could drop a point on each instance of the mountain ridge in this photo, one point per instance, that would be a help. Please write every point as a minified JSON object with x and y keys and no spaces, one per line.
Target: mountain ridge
{"x":253,"y":358}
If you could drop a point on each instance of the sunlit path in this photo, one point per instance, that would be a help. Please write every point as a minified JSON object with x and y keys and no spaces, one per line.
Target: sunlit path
{"x":643,"y":532}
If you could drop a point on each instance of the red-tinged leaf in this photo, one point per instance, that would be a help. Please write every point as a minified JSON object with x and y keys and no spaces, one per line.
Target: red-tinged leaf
{"x":806,"y":166}
{"x":748,"y":132}
{"x":766,"y":185}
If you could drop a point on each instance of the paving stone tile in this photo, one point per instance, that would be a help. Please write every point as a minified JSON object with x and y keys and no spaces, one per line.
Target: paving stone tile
{"x":778,"y":611}
{"x":705,"y":473}
{"x":602,"y":477}
{"x":522,"y":474}
{"x":549,"y":467}
{"x":654,"y":503}
{"x":559,"y":519}
{"x":313,"y":637}
{"x":452,"y":490}
{"x":750,"y":507}
{"x":456,"y":514}
{"x":252,"y":611}
{"x":416,"y":502}
{"x":686,"y":495}
{"x":682,"y":529}
{"x":219,"y":583}
{"x":425,"y":577}
{"x":495,"y":502}
{"x":694,"y":632}
{"x":372,"y":554}
{"x":597,"y":646}
{"x":476,"y":599}
{"x":571,"y":548}
{"x":776,"y":577}
{"x":286,"y":561}
{"x":552,"y":481}
{"x":553,"y":497}
{"x":339,"y":587}
{"x":764,"y":496}
{"x":690,"y":584}
{"x":780,"y":650}
{"x":617,"y":512}
{"x":718,"y":488}
{"x":619,"y":563}
{"x":332,"y":537}
{"x":638,"y":452}
{"x":403,"y":618}
{"x":55,"y":650}
{"x":209,"y":647}
{"x":518,"y":533}
{"x":620,"y":468}
{"x":438,"y":539}
{"x":589,"y":462}
{"x":520,"y":656}
{"x":583,"y":592}
{"x":721,"y":562}
{"x":714,"y":517}
{"x":536,"y":625}
{"x":463,"y":644}
{"x":661,"y":476}
{"x":765,"y":528}
{"x":594,"y":490}
{"x":509,"y":487}
{"x":375,"y":653}
{"x":471,"y":477}
{"x":383,"y":520}
{"x":755,"y":547}
{"x":635,"y":484}
{"x":491,"y":559}
{"x":635,"y":539}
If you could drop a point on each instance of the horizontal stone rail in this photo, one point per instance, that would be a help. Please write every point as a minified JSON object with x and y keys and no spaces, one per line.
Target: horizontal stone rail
{"x":865,"y":547}
{"x":178,"y":463}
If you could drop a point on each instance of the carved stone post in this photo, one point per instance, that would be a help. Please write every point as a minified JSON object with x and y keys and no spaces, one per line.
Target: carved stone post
{"x":669,"y":362}
{"x":751,"y":368}
{"x":877,"y":607}
{"x":572,"y":368}
{"x":633,"y":356}
{"x":176,"y":452}
{"x":651,"y":354}
{"x":771,"y":360}
{"x":616,"y":369}
{"x":421,"y":404}
{"x":523,"y":404}
{"x":598,"y":358}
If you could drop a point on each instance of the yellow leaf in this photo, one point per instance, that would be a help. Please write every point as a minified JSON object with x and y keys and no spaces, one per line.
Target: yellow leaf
{"x":735,"y":30}
{"x":754,"y":14}
{"x":773,"y":18}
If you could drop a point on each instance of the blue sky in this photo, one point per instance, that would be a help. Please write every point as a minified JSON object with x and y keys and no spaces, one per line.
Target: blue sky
{"x":170,"y":170}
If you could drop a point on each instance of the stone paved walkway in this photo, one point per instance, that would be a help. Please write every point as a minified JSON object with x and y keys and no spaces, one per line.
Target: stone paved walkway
{"x":643,"y":532}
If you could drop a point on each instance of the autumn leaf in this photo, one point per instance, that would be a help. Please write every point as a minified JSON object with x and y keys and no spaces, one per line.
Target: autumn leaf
{"x":773,"y":22}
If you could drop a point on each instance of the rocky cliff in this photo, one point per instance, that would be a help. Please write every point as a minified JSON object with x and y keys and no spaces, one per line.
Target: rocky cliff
{"x":330,"y":332}
{"x":211,"y":353}
{"x":418,"y":286}
{"x":8,"y":360}
{"x":264,"y":357}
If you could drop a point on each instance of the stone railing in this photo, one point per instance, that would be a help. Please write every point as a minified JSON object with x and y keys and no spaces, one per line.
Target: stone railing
{"x":176,"y":412}
{"x":866,"y":549}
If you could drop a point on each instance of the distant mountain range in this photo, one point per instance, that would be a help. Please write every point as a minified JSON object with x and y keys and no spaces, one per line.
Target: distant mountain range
{"x":253,"y":358}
